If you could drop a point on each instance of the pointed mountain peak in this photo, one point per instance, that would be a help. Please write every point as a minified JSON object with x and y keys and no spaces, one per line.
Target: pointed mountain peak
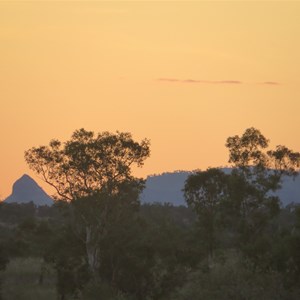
{"x":25,"y":190}
{"x":25,"y":177}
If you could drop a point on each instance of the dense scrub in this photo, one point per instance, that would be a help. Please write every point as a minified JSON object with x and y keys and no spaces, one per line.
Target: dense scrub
{"x":22,"y":280}
{"x":232,"y":242}
{"x":157,"y":253}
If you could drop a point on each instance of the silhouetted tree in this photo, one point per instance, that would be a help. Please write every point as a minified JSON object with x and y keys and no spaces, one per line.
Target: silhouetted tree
{"x":88,"y":163}
{"x":256,"y":174}
{"x":95,"y":169}
{"x":204,"y":191}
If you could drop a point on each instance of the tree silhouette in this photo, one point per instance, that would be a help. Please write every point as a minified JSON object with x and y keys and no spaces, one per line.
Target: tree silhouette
{"x":257,"y":173}
{"x":204,"y":191}
{"x":93,"y":172}
{"x":88,"y":163}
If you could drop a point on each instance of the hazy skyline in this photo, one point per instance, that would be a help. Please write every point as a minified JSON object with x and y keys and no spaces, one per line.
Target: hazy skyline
{"x":184,"y":74}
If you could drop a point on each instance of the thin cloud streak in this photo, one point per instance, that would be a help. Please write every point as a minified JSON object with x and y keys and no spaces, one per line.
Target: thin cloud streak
{"x":234,"y":82}
{"x":200,"y":81}
{"x":270,"y":83}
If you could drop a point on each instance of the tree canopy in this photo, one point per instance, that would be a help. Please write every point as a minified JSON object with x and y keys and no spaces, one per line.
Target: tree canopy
{"x":251,"y":150}
{"x":233,"y":241}
{"x":244,"y":197}
{"x":88,"y":163}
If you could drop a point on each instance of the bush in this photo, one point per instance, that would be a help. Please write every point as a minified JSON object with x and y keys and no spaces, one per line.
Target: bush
{"x":97,"y":289}
{"x":22,"y":280}
{"x":230,"y":280}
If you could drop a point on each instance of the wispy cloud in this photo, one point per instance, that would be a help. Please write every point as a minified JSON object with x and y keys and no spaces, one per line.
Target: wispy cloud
{"x":201,"y":81}
{"x":232,"y":82}
{"x":270,"y":83}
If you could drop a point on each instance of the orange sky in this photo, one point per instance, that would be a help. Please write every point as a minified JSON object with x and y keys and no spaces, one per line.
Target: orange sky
{"x":184,"y":74}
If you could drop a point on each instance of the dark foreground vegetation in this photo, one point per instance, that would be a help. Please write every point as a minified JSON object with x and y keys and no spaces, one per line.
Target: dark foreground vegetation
{"x":159,"y":253}
{"x":233,"y":241}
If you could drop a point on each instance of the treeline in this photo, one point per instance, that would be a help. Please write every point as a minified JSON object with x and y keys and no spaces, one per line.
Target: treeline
{"x":233,"y":241}
{"x":158,"y":253}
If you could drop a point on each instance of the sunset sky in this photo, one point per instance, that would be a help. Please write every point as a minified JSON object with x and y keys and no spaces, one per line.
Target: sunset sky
{"x":184,"y":74}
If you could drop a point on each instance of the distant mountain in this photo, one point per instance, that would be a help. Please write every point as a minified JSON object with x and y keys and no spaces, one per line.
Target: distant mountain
{"x":163,"y":188}
{"x":26,"y":190}
{"x":167,"y":187}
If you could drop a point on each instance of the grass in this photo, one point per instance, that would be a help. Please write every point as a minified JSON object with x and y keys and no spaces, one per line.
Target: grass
{"x":21,"y":280}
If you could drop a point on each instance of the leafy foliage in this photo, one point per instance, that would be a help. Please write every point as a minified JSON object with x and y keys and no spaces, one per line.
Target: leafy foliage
{"x":87,"y":163}
{"x":233,"y":241}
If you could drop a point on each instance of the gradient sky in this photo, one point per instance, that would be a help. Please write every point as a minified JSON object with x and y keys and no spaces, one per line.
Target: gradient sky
{"x":186,"y":75}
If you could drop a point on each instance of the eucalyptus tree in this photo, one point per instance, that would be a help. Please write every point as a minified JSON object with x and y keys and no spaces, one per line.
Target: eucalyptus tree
{"x":88,"y":163}
{"x":257,"y":174}
{"x":244,"y":199}
{"x":204,"y":192}
{"x":92,"y":172}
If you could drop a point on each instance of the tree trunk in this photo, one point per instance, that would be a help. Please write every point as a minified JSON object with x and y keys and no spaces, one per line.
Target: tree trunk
{"x":92,"y":249}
